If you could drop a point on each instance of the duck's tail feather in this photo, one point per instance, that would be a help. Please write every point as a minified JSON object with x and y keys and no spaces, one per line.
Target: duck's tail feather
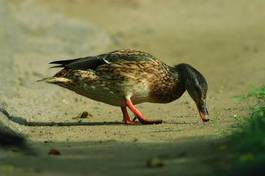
{"x":55,"y":80}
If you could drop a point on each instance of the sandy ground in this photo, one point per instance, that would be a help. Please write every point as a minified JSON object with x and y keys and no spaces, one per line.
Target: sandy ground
{"x":225,"y":40}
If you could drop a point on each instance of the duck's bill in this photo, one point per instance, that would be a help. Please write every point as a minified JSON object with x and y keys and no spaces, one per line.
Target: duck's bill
{"x":203,"y":112}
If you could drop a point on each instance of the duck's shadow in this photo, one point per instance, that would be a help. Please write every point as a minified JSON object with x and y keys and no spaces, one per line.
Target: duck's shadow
{"x":69,"y":123}
{"x":22,"y":121}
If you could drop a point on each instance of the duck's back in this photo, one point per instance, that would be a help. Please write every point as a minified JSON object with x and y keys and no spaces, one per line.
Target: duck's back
{"x":112,"y":76}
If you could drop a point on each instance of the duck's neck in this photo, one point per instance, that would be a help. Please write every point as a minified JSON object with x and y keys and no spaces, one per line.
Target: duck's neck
{"x":188,"y":77}
{"x":179,"y":74}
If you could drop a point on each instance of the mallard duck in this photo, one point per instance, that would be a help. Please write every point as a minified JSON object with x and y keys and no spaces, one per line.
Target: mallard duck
{"x":128,"y":77}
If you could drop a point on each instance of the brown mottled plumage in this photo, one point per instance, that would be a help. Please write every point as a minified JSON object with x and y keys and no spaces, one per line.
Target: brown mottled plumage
{"x":124,"y":77}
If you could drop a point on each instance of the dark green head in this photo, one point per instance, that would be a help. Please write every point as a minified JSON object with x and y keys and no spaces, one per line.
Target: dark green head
{"x":197,"y":87}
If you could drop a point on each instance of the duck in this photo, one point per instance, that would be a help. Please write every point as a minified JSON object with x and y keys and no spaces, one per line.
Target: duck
{"x":128,"y":77}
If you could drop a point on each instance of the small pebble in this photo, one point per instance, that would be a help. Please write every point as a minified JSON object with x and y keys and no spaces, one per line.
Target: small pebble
{"x":154,"y":163}
{"x":83,"y":115}
{"x":186,"y":102}
{"x":54,"y":152}
{"x":135,"y":140}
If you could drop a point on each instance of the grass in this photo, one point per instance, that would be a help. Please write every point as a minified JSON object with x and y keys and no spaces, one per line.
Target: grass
{"x":248,"y":143}
{"x":258,"y":93}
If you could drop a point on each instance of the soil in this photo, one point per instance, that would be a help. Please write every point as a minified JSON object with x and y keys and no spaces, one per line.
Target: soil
{"x":225,"y":40}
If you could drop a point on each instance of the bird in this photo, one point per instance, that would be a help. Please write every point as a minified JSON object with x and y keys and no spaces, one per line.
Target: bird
{"x":128,"y":77}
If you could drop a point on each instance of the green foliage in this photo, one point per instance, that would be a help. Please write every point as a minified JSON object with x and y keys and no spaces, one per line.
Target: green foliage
{"x":248,"y":143}
{"x":251,"y":136}
{"x":258,"y":93}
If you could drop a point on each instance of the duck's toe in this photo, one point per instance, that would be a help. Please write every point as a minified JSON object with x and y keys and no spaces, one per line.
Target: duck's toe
{"x":129,"y":122}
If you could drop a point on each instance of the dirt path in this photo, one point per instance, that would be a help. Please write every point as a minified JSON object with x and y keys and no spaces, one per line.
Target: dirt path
{"x":224,"y":40}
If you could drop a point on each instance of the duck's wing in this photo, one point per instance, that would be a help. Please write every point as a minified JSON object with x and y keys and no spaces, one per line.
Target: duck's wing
{"x":92,"y":62}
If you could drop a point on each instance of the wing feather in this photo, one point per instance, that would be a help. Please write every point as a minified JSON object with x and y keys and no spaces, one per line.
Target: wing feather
{"x":92,"y":62}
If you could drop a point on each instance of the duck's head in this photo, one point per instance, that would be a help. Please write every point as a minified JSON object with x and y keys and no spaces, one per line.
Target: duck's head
{"x":197,"y":87}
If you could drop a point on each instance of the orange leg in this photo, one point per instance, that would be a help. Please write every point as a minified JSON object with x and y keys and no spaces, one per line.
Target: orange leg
{"x":139,"y":115}
{"x":126,"y":117}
